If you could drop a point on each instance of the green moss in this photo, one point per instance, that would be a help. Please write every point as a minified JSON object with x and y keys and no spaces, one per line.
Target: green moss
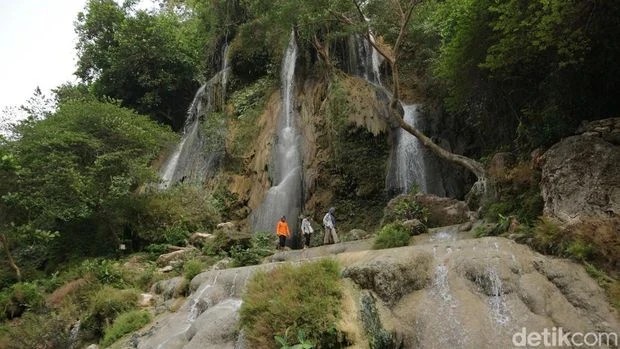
{"x":355,"y":167}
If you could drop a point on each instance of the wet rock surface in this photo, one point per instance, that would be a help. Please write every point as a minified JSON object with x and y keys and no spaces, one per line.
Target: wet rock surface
{"x":448,"y":291}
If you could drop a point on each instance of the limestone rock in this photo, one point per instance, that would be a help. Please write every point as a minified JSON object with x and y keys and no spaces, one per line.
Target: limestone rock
{"x":171,"y":288}
{"x":443,"y":211}
{"x":391,"y":279}
{"x":581,"y":178}
{"x":175,"y":256}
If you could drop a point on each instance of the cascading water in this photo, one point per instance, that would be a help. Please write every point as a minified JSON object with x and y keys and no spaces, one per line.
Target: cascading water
{"x":189,"y":161}
{"x":408,"y":166}
{"x":284,"y":198}
{"x":409,"y":160}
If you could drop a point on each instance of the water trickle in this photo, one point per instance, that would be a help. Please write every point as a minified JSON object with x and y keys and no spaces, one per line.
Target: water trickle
{"x":444,"y":235}
{"x":284,"y":198}
{"x":497,"y":300}
{"x":451,"y":333}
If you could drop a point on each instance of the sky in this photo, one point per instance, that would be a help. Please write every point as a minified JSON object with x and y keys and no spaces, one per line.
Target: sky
{"x":37,"y":46}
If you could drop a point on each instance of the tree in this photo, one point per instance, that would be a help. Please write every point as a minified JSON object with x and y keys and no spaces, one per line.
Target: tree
{"x":79,"y":170}
{"x":403,"y":12}
{"x":148,"y":61}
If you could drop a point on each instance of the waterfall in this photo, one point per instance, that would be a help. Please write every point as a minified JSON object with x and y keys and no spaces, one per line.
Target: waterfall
{"x":409,"y":159}
{"x":409,"y":165}
{"x":190,"y":161}
{"x":284,"y":197}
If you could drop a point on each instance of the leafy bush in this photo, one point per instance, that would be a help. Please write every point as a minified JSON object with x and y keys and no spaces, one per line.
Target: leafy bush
{"x":125,"y":323}
{"x":106,"y":271}
{"x":405,"y":208}
{"x":19,"y":298}
{"x":494,"y":229}
{"x":105,"y":305}
{"x":169,"y":216}
{"x":289,"y":299}
{"x":192,"y":268}
{"x":392,"y":235}
{"x":37,"y":331}
{"x":261,"y":245}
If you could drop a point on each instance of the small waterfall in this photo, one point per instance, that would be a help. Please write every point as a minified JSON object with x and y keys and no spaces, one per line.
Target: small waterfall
{"x":409,"y":161}
{"x":450,"y":331}
{"x":190,"y":161}
{"x":284,"y":197}
{"x":363,"y":60}
{"x":497,"y":301}
{"x":408,"y":165}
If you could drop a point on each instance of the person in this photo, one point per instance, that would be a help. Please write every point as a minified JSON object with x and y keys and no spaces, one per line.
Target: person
{"x":282,"y":231}
{"x":329,"y":222}
{"x":306,"y":230}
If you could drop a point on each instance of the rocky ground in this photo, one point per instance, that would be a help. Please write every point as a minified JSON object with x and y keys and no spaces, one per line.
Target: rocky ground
{"x":446,"y":290}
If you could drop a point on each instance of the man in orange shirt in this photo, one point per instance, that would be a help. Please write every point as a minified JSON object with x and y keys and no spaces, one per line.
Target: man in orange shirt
{"x":282,"y":231}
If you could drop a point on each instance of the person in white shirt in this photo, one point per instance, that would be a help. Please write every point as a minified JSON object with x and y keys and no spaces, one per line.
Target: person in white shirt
{"x":306,"y":230}
{"x":329,"y":222}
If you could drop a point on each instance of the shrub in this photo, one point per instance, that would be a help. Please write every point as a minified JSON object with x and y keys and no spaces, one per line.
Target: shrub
{"x":288,"y":299}
{"x":105,"y":305}
{"x":392,"y":235}
{"x":405,"y":208}
{"x":19,"y":298}
{"x":192,"y":268}
{"x":125,"y":323}
{"x":168,"y":216}
{"x":106,"y":271}
{"x":261,"y":245}
{"x":37,"y":331}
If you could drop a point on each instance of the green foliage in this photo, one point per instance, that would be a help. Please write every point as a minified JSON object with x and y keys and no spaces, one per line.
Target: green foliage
{"x":125,"y":323}
{"x":105,"y":271}
{"x":261,"y":245}
{"x":78,"y":172}
{"x":170,"y":216}
{"x":192,"y":268}
{"x":49,"y":330}
{"x":290,"y":299}
{"x":535,"y":68}
{"x":494,"y":229}
{"x":104,"y":307}
{"x":410,"y":209}
{"x":303,"y":343}
{"x":145,"y":60}
{"x":264,"y":36}
{"x":391,"y":235}
{"x":20,"y":297}
{"x":248,"y":104}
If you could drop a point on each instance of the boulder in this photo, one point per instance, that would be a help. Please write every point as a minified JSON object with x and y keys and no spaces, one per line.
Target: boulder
{"x":199,"y":239}
{"x":390,"y":280}
{"x":171,"y":288}
{"x":175,"y":256}
{"x":443,"y":211}
{"x":415,"y":227}
{"x":581,"y":178}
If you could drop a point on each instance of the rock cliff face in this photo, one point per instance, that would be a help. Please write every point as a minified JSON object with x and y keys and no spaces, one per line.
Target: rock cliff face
{"x":444,"y":292}
{"x":581,"y":174}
